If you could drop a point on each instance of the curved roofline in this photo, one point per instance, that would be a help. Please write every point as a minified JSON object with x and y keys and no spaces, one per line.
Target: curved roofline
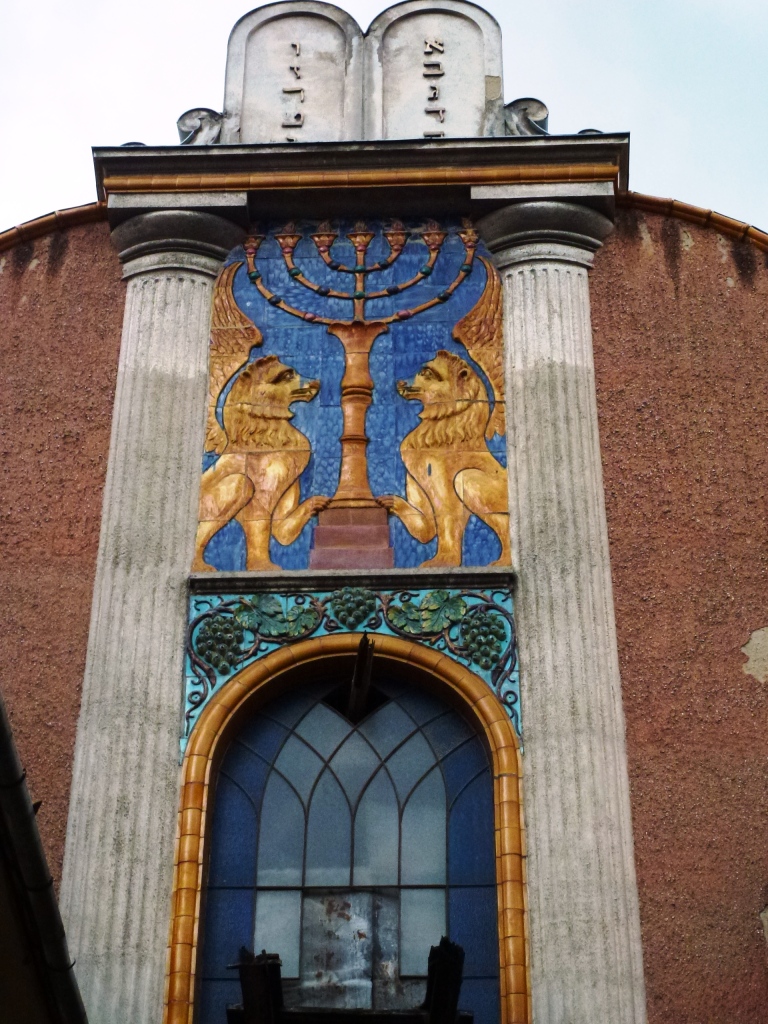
{"x":91,"y":213}
{"x":59,"y":220}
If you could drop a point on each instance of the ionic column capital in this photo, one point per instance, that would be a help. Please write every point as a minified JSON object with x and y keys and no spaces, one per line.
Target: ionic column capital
{"x":175,"y":239}
{"x":544,"y":230}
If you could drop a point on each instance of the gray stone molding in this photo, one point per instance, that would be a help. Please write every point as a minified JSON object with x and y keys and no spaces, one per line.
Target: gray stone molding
{"x":467,"y":73}
{"x":119,"y":852}
{"x":586,"y":953}
{"x":260,"y":56}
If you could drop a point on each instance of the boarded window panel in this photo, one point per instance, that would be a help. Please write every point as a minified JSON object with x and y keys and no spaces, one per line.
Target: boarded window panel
{"x":278,"y":927}
{"x":337,"y":949}
{"x":422,"y":923}
{"x":329,"y":835}
{"x":423,"y":838}
{"x":376,"y":834}
{"x":281,"y":835}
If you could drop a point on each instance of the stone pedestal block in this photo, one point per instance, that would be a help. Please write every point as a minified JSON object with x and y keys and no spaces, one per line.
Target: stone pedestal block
{"x":586,"y":956}
{"x":119,"y":853}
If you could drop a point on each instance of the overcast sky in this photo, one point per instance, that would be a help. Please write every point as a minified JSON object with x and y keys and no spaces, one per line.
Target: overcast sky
{"x":687,"y":79}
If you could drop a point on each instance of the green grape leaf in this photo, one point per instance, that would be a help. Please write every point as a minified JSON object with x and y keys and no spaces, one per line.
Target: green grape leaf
{"x":405,"y":616}
{"x":263,"y":614}
{"x":301,"y":619}
{"x":439,"y":610}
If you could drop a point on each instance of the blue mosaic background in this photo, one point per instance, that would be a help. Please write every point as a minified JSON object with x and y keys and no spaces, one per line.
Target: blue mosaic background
{"x":397,"y":355}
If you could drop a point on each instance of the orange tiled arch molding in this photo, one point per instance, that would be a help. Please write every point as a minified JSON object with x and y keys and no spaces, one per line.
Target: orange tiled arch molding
{"x":274,"y":674}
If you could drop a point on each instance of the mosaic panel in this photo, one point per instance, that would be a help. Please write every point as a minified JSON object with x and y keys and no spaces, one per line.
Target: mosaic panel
{"x":228,"y":631}
{"x":356,"y":402}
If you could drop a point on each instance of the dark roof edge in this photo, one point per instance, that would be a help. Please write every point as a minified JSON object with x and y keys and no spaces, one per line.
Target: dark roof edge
{"x":25,"y":848}
{"x":60,"y":220}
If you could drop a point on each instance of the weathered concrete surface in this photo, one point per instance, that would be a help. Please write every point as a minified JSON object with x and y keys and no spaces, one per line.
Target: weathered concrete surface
{"x":680,"y":317}
{"x":119,"y":856}
{"x":61,"y":305}
{"x":586,"y":957}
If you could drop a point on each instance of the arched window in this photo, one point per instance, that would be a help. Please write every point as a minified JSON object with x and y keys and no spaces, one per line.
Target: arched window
{"x":349,"y":849}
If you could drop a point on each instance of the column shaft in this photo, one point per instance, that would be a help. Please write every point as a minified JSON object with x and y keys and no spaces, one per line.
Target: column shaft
{"x":586,"y":953}
{"x":119,"y":854}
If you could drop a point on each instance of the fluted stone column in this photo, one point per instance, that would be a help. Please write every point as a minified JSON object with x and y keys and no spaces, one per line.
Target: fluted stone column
{"x":586,"y":955}
{"x":119,"y":852}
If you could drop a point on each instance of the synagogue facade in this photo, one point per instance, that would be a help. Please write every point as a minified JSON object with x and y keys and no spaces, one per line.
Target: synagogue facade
{"x":384,"y":552}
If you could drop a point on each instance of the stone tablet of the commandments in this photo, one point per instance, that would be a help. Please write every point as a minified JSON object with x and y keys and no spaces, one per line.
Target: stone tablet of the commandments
{"x":294,"y":74}
{"x":433,"y":70}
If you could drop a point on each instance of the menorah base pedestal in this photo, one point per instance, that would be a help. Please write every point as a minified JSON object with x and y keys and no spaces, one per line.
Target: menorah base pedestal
{"x":352,"y":538}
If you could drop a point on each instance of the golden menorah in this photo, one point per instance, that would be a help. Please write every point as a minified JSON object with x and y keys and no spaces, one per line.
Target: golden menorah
{"x":358,"y":334}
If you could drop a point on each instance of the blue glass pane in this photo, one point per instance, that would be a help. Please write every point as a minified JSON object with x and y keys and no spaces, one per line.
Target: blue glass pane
{"x":329,"y":834}
{"x":390,"y":687}
{"x":421,"y":706}
{"x":354,"y":763}
{"x":422,"y":923}
{"x":289,"y":708}
{"x":228,"y":926}
{"x":472,"y":922}
{"x":471,"y":841}
{"x":447,"y":732}
{"x":423,"y":840}
{"x":377,"y":834}
{"x":409,"y":763}
{"x":323,"y":729}
{"x":247,"y":769}
{"x":215,"y":996}
{"x":386,"y":727}
{"x":281,"y":835}
{"x":233,"y":837}
{"x":278,"y":927}
{"x":300,"y":766}
{"x":482,"y":998}
{"x":462,"y":766}
{"x":262,"y":736}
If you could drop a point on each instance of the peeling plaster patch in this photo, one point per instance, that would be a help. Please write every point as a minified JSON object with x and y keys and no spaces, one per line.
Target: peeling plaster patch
{"x":756,"y":650}
{"x":723,"y":248}
{"x":730,"y":282}
{"x":33,"y":263}
{"x":645,"y":235}
{"x":764,"y":919}
{"x":3,"y":261}
{"x":687,"y":239}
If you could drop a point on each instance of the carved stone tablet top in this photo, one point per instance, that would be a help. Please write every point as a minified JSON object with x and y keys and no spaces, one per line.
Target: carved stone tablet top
{"x":433,"y":70}
{"x":294,"y":74}
{"x":302,"y":71}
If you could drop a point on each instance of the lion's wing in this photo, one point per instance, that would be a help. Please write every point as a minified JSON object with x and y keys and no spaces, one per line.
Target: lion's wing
{"x":481,"y":333}
{"x":233,"y":335}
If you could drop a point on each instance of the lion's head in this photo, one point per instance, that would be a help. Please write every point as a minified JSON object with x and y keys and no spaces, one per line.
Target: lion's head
{"x":263,"y":392}
{"x":454,"y":398}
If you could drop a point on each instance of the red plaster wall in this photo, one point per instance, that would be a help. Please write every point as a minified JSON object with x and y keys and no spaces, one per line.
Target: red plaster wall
{"x":680,"y":320}
{"x":61,"y":307}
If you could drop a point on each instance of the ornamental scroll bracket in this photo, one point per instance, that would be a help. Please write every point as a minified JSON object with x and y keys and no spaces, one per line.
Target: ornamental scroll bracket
{"x":236,"y":619}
